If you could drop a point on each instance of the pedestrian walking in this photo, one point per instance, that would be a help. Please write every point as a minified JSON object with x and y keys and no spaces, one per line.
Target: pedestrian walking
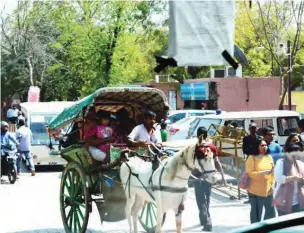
{"x":289,"y":175}
{"x":274,"y":148}
{"x":20,"y":116}
{"x":163,"y":132}
{"x":260,"y":171}
{"x":12,"y":116}
{"x":250,"y":141}
{"x":250,"y":144}
{"x":293,"y":139}
{"x":202,"y":188}
{"x":24,"y":135}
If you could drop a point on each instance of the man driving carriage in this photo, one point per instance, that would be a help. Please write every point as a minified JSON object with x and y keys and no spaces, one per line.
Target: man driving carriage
{"x":145,"y":134}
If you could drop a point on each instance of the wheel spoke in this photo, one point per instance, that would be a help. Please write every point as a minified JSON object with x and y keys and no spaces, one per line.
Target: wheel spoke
{"x":71,"y":183}
{"x":67,"y":187}
{"x":80,"y":213}
{"x":68,"y":218}
{"x":150,"y":215}
{"x":77,"y":186}
{"x":147,"y":213}
{"x":65,"y":195}
{"x":80,"y":204}
{"x":77,"y":218}
{"x":65,"y":206}
{"x":71,"y":219}
{"x":153,"y":210}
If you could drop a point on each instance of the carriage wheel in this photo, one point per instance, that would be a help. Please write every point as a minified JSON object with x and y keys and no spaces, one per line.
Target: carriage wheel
{"x":148,"y":217}
{"x":74,"y":199}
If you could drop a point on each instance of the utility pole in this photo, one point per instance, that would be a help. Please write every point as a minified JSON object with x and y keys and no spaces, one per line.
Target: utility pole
{"x":289,"y":75}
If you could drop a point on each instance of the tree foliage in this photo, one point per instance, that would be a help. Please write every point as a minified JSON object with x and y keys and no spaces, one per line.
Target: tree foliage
{"x":71,"y":48}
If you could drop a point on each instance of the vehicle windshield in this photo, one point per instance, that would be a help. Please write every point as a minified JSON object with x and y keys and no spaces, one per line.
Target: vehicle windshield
{"x":202,"y":122}
{"x":183,"y":121}
{"x":38,"y":125}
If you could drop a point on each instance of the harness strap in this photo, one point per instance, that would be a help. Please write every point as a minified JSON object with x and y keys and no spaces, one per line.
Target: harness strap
{"x":167,"y":188}
{"x":137,"y":176}
{"x":185,"y":163}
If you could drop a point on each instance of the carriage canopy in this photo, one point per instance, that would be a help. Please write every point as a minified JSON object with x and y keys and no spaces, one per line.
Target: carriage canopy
{"x":134,"y":99}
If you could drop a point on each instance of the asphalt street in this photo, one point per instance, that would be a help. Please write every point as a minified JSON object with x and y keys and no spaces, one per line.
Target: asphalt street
{"x":31,"y":205}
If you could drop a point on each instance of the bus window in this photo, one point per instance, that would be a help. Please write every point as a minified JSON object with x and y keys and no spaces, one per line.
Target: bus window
{"x":287,"y":125}
{"x":38,"y":127}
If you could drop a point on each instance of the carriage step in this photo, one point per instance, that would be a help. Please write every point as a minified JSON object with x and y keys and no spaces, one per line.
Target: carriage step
{"x":98,"y":198}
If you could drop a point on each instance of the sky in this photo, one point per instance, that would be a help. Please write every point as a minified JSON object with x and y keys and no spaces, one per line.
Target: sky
{"x":7,"y":6}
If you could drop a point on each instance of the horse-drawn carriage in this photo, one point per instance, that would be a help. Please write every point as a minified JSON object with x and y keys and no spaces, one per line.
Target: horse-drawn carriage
{"x":110,"y":185}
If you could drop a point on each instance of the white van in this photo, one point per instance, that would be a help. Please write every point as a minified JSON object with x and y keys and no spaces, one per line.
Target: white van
{"x":38,"y":115}
{"x":176,"y":115}
{"x":284,"y":122}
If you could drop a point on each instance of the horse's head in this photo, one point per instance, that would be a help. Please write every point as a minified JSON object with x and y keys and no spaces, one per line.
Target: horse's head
{"x":204,"y":161}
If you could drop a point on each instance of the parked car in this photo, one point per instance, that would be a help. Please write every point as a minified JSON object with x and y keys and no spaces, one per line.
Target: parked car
{"x":190,"y":134}
{"x":284,"y":122}
{"x":177,"y":115}
{"x":179,"y":130}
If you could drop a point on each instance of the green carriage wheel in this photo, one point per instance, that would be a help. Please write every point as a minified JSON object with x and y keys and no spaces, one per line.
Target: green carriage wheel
{"x":148,"y":217}
{"x":74,"y":199}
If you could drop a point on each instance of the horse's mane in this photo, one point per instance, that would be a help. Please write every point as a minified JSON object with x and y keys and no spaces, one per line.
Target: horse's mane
{"x":176,"y":162}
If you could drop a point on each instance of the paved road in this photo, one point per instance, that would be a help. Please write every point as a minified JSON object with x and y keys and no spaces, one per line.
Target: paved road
{"x":31,"y":205}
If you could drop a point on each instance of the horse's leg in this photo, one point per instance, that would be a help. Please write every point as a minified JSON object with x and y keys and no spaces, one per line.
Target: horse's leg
{"x":178,"y":220}
{"x":160,"y":214}
{"x":128,"y":208}
{"x":135,"y":210}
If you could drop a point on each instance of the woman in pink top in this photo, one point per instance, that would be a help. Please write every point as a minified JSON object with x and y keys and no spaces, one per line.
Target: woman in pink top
{"x":97,"y":137}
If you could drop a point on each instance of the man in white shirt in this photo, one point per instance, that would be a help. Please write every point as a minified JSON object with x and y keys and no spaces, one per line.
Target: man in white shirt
{"x":24,"y":135}
{"x":145,"y":134}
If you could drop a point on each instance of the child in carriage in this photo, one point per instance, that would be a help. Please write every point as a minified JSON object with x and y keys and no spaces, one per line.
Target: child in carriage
{"x":98,"y":136}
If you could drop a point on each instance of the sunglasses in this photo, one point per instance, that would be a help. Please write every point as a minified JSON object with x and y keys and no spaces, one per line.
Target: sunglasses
{"x":271,"y":134}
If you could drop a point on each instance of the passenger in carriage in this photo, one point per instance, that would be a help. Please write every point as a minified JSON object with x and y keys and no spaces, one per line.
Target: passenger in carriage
{"x":144,"y":134}
{"x":98,"y":137}
{"x":124,"y":125}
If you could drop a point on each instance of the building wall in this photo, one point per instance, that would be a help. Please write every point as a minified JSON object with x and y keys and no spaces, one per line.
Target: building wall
{"x":297,"y":99}
{"x":166,"y":87}
{"x":246,"y":94}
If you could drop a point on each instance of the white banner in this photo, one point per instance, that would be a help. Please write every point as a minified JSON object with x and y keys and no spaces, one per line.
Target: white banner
{"x":199,"y":31}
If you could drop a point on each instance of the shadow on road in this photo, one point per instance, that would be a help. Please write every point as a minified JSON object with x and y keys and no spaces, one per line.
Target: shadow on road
{"x":5,"y":181}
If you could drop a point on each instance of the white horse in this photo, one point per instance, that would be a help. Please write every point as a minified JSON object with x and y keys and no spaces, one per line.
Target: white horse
{"x":168,"y":189}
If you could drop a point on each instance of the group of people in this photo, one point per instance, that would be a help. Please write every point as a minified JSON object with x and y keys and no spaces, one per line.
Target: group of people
{"x":276,"y":175}
{"x":13,"y":116}
{"x":99,"y":130}
{"x":20,"y":141}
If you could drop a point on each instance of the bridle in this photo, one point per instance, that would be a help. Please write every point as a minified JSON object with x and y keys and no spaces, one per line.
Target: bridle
{"x":204,"y":172}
